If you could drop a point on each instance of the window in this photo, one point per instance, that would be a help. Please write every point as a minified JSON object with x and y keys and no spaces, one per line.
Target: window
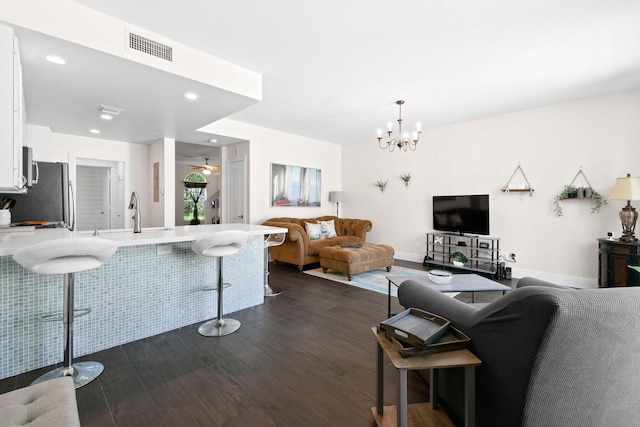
{"x":195,"y":193}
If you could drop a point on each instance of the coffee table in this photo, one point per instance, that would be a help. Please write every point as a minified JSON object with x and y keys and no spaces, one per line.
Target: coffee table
{"x":461,"y":283}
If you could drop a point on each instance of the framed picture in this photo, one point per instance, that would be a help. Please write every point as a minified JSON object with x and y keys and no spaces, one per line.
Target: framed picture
{"x":295,"y":185}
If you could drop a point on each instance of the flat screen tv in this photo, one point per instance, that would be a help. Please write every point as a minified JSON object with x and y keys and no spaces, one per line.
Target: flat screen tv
{"x":461,"y":214}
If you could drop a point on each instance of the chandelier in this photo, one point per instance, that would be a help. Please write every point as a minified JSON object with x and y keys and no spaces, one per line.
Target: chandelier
{"x":402,"y":141}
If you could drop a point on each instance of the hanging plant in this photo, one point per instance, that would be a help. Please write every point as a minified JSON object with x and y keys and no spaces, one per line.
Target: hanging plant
{"x":571,"y":192}
{"x":598,"y":201}
{"x":406,"y":178}
{"x":382,"y":185}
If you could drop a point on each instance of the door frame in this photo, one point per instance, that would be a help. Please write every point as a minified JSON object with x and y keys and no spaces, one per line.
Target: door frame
{"x":102,"y":160}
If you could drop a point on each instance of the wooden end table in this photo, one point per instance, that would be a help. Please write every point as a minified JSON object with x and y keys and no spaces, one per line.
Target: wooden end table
{"x":422,"y":413}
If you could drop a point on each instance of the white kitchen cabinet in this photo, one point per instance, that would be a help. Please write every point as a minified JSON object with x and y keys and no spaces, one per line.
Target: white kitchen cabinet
{"x":11,"y":114}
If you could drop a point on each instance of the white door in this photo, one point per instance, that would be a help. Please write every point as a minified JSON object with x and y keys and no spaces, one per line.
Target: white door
{"x":93,"y":204}
{"x":99,"y":198}
{"x":236,"y":195}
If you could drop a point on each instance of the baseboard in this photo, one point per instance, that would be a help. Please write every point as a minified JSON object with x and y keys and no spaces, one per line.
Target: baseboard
{"x":559,"y":279}
{"x":408,"y":256}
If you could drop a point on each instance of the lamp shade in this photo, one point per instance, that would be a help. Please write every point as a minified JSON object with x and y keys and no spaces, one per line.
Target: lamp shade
{"x":626,"y":188}
{"x":336,"y":196}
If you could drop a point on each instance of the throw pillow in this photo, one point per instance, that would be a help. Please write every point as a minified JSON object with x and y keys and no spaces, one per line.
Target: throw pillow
{"x":328,"y":229}
{"x":314,"y":231}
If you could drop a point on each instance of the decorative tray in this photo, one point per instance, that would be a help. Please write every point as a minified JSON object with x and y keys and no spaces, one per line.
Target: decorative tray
{"x":415,"y":327}
{"x":453,"y":339}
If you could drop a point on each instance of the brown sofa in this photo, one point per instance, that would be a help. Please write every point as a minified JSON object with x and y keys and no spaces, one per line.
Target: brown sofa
{"x":297,"y":249}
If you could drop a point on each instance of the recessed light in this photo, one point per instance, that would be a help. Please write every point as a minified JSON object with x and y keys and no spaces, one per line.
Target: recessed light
{"x":213,"y":140}
{"x":94,"y":131}
{"x":106,"y":116}
{"x":56,"y":59}
{"x":191,"y":96}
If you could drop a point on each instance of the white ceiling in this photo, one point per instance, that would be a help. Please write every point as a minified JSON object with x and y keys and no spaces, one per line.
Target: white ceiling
{"x":333,"y":69}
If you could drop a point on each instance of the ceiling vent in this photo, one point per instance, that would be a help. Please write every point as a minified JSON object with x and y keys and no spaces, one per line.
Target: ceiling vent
{"x":150,"y":47}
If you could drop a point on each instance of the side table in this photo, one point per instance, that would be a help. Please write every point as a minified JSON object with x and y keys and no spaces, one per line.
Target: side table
{"x":422,"y":413}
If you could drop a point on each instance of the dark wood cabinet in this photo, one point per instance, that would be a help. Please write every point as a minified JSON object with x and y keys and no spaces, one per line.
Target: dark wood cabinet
{"x":615,"y":257}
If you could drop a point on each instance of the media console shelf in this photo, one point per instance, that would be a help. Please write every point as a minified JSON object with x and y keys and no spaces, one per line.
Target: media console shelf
{"x":482,"y":252}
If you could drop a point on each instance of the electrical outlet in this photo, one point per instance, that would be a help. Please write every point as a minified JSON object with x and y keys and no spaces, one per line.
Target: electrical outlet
{"x":418,"y":245}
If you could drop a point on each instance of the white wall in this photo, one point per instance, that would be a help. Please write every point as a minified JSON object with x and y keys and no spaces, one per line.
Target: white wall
{"x":478,"y":157}
{"x":271,"y":146}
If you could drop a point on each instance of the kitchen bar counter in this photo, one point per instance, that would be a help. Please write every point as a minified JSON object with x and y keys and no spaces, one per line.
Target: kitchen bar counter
{"x":152,"y":284}
{"x":12,"y":241}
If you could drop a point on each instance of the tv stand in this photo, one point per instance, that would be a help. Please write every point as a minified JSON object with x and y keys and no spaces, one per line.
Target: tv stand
{"x":482,"y":252}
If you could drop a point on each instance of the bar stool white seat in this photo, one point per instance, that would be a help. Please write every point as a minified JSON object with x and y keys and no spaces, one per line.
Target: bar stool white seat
{"x":219,"y":245}
{"x":270,"y":240}
{"x":68,"y":256}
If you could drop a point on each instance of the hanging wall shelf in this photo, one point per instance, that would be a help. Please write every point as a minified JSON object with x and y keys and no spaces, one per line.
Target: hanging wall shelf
{"x":579,"y":189}
{"x":518,"y":183}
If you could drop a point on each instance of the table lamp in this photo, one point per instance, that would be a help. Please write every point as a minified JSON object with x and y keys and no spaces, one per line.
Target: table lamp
{"x":336,"y":196}
{"x":627,"y":188}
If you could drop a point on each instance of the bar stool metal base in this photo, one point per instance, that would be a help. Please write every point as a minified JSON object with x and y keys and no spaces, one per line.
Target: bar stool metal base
{"x":82,"y":373}
{"x":269,"y":292}
{"x":219,"y":327}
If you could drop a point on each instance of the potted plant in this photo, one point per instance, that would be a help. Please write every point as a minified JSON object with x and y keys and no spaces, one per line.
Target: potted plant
{"x":406,"y":178}
{"x":458,"y":259}
{"x":569,"y":192}
{"x":382,"y":185}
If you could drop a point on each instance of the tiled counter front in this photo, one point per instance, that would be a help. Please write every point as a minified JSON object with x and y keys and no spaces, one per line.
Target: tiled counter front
{"x":135,"y":294}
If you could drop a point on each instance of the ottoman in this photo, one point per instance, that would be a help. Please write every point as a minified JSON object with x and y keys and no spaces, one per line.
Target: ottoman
{"x":348,"y":260}
{"x":50,"y":403}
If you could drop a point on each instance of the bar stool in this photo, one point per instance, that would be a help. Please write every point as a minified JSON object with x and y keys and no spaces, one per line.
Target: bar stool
{"x":219,"y":245}
{"x":270,"y":240}
{"x":68,"y":256}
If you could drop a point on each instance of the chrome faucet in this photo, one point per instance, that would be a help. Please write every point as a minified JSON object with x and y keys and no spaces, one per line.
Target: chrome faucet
{"x":135,"y":204}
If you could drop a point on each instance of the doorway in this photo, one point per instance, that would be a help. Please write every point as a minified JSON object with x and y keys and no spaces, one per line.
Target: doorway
{"x":99,"y":198}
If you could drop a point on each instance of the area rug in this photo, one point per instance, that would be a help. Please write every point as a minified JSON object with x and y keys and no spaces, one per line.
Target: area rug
{"x":374,"y":280}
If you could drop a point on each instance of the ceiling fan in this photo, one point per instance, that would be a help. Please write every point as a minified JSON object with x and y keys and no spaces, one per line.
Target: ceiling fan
{"x":206,"y":168}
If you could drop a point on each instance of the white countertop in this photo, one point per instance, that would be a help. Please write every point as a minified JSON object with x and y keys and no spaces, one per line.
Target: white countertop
{"x":12,"y":242}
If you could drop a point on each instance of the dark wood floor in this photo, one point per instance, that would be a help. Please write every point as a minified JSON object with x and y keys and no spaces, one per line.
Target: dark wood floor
{"x":305,"y":357}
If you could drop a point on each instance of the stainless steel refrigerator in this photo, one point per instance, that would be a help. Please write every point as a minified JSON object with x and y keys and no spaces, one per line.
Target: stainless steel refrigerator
{"x":47,"y":203}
